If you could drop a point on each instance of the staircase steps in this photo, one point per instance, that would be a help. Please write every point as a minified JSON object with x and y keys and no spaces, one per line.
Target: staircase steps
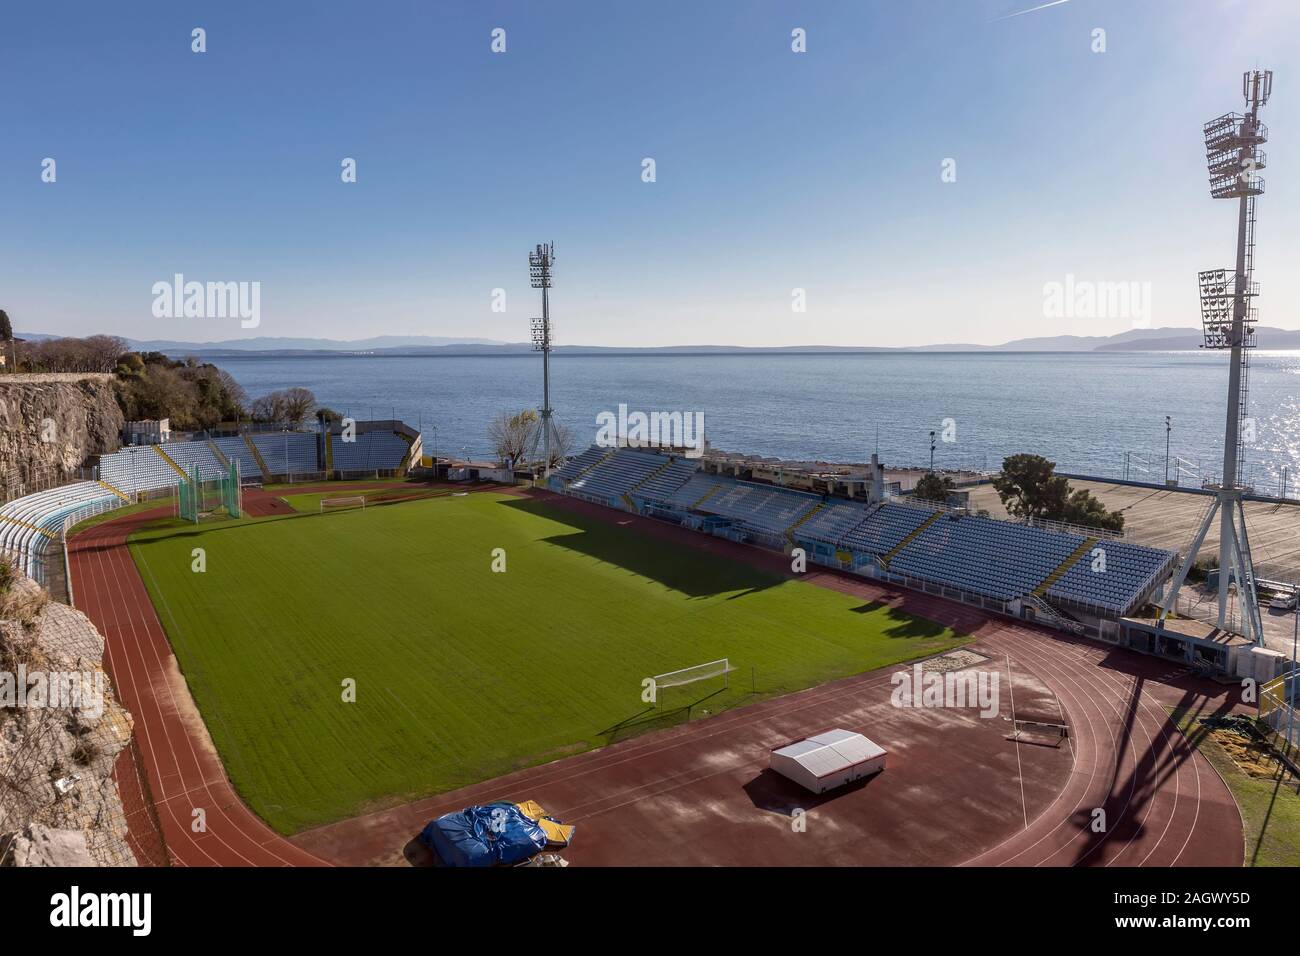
{"x":257,"y":456}
{"x":1059,"y":571}
{"x":168,"y":458}
{"x":117,"y":491}
{"x":789,"y":532}
{"x":885,"y":559}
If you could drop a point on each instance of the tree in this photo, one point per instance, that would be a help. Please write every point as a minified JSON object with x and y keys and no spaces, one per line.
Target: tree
{"x":934,"y":487}
{"x":512,"y":435}
{"x":561,"y":443}
{"x":1084,"y":509}
{"x":7,"y":339}
{"x":130,"y":365}
{"x":1029,"y":489}
{"x":269,"y":408}
{"x":151,"y":385}
{"x":298,"y":405}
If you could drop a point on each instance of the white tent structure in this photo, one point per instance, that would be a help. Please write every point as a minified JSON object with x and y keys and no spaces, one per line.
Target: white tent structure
{"x":828,"y":760}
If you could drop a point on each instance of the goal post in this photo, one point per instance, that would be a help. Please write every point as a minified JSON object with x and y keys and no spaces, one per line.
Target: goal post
{"x":353,"y":501}
{"x":687,"y":675}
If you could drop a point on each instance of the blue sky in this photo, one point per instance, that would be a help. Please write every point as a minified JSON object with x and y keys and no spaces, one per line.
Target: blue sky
{"x":775,"y":170}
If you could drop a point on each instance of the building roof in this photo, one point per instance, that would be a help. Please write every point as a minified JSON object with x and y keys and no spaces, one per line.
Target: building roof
{"x":831,"y":751}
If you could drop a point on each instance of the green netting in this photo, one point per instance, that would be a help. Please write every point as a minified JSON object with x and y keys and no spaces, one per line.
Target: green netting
{"x":231,"y":493}
{"x":189,"y":497}
{"x":197,"y":497}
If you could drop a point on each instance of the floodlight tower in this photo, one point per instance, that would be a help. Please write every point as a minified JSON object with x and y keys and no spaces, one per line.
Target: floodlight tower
{"x":539,"y":273}
{"x":1228,"y":317}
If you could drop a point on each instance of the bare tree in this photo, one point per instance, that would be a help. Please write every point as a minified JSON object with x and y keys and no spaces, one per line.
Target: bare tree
{"x":512,"y":435}
{"x":299,"y":403}
{"x":269,"y":408}
{"x":561,"y":443}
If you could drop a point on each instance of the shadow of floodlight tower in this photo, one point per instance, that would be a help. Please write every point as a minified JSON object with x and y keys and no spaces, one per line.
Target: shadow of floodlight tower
{"x":540,"y":261}
{"x":1233,"y":158}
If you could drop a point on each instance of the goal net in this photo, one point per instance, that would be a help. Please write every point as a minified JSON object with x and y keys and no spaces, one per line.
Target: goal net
{"x":688,"y":675}
{"x":330,"y":504}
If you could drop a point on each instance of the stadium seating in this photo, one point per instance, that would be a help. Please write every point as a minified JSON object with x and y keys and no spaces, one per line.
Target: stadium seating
{"x":29,"y":526}
{"x":833,"y":522}
{"x":617,"y":474}
{"x":236,"y":449}
{"x":141,"y":468}
{"x":978,"y":556}
{"x":996,"y":559}
{"x":885,"y":528}
{"x":695,"y":488}
{"x":762,"y":508}
{"x":576,"y":466}
{"x":371,"y":451}
{"x":661,"y":485}
{"x":187,"y":454}
{"x":137,"y":468}
{"x":1131,"y":571}
{"x":289,"y":453}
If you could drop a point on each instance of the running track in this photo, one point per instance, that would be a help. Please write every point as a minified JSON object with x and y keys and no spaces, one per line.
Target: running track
{"x":1164,"y":804}
{"x":182,"y":770}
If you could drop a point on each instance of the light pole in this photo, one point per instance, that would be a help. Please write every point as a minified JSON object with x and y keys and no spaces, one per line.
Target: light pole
{"x":540,"y":261}
{"x":1295,"y":639}
{"x":1169,"y":427}
{"x":931,"y":451}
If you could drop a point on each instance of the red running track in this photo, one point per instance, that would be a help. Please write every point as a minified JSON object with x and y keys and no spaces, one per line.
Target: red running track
{"x":1164,"y":804}
{"x":182,"y":769}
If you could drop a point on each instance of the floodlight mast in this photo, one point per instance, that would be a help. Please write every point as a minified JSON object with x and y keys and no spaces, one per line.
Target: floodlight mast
{"x":540,"y":261}
{"x":1228,"y":319}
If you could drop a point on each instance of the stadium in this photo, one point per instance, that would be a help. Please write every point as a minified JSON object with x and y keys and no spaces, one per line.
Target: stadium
{"x":312,"y":640}
{"x":326,"y":644}
{"x":338,"y":650}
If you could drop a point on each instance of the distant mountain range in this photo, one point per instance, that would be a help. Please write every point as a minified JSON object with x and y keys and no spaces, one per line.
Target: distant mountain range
{"x":1134,"y":340}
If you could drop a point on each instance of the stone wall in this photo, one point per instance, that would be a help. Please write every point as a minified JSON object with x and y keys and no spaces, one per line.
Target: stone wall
{"x":49,"y":428}
{"x":59,"y":804}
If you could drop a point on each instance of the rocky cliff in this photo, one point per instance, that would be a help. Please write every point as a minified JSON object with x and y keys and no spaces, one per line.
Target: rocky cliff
{"x":59,"y":804}
{"x":49,"y":425}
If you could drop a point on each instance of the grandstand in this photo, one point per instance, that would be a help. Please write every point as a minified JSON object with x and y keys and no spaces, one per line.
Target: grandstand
{"x":262,"y":456}
{"x":1130,"y":570}
{"x":189,"y":454}
{"x":1004,"y":566}
{"x":32,"y":527}
{"x":371,"y":451}
{"x":882,"y":531}
{"x":982,"y":556}
{"x":288,"y":453}
{"x":140,"y":468}
{"x":236,"y":449}
{"x":576,"y":466}
{"x":615,"y":475}
{"x":832,"y":522}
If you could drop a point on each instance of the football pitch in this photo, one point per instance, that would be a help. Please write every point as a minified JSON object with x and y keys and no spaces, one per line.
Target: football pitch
{"x":462,"y":672}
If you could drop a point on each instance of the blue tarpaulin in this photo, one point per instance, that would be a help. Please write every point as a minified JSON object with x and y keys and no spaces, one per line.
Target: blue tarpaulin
{"x":495,"y":834}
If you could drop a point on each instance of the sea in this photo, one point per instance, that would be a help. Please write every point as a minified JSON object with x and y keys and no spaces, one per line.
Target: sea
{"x":1092,"y":413}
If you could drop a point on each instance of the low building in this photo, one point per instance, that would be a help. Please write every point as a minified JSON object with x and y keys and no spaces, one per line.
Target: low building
{"x":828,"y":760}
{"x":147,"y":432}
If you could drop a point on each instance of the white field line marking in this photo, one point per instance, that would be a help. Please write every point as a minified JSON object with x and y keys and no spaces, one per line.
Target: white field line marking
{"x":1020,"y":774}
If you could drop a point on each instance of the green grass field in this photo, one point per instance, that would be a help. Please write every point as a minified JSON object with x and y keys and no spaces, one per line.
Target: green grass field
{"x":462,"y":673}
{"x":1270,"y":807}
